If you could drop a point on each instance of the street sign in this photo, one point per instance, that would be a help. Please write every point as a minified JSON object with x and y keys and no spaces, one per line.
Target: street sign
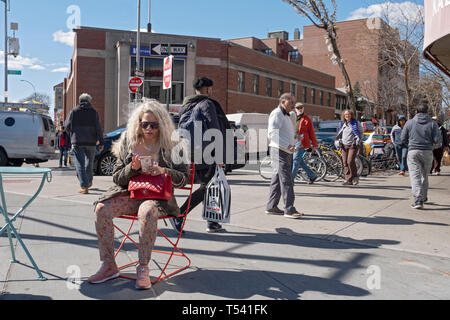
{"x":15,"y":72}
{"x":167,"y":77}
{"x":139,"y":73}
{"x":134,"y":84}
{"x":163,"y":49}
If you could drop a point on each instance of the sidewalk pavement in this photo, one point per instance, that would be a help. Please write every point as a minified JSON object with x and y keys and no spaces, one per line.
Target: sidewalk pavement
{"x":361,"y":242}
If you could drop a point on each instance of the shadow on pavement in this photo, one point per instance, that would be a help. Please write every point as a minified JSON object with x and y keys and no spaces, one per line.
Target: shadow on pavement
{"x":226,"y":284}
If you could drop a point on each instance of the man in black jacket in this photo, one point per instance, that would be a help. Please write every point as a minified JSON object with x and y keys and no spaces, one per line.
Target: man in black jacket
{"x":197,"y":110}
{"x":85,"y":130}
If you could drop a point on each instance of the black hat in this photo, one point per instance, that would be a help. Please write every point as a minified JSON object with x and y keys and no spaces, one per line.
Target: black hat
{"x":202,"y":83}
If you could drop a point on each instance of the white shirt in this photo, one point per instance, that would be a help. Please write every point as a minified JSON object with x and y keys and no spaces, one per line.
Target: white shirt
{"x":281,"y":130}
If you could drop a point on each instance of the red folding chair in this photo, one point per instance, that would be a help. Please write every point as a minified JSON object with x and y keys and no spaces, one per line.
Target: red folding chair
{"x":176,"y":251}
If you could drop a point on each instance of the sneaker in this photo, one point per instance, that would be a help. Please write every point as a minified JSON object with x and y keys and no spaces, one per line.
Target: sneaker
{"x":312,"y":181}
{"x":355,"y":181}
{"x":214,"y":227}
{"x":438,"y":173}
{"x":106,"y":272}
{"x":402,"y":173}
{"x":347,"y":183}
{"x":275,"y":211}
{"x":294,"y":215}
{"x":177,"y":223}
{"x":83,"y":191}
{"x":143,"y":278}
{"x":417,"y":205}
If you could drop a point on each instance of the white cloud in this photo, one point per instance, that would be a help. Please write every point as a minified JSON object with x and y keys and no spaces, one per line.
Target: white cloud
{"x":394,"y":12}
{"x":66,"y":38}
{"x":19,"y":62}
{"x":37,"y":67}
{"x":64,"y":70}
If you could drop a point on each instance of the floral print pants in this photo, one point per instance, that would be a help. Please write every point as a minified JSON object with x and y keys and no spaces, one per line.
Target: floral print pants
{"x":148,"y":214}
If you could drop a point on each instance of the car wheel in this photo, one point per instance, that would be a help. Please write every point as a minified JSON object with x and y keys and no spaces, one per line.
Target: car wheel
{"x":16,"y":162}
{"x":3,"y":158}
{"x":106,"y":164}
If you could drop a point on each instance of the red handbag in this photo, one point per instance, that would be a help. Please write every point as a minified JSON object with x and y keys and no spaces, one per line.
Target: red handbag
{"x":150,"y":187}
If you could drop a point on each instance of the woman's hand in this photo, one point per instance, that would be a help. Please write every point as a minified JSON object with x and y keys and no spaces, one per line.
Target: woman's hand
{"x":156,"y":171}
{"x":136,"y":163}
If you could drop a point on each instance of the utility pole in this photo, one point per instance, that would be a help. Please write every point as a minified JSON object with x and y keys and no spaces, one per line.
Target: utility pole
{"x":6,"y":50}
{"x":149,"y":25}
{"x":138,"y":49}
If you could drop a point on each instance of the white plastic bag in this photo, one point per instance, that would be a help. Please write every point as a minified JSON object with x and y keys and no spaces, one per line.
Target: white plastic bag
{"x":217,"y":200}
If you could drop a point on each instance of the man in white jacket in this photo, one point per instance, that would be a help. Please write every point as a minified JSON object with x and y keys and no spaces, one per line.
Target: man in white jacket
{"x":282,"y":147}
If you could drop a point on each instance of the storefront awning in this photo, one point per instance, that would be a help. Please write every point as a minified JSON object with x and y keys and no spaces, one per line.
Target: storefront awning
{"x":437,"y":33}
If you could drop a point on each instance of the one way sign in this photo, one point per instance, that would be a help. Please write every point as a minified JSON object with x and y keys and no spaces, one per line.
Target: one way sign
{"x":163,"y":49}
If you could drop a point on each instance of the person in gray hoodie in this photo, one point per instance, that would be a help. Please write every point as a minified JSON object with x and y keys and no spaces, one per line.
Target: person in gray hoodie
{"x":421,"y":135}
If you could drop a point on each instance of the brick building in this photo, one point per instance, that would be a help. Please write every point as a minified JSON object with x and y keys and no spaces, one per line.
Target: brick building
{"x":58,"y":103}
{"x":249,"y":74}
{"x":360,"y":46}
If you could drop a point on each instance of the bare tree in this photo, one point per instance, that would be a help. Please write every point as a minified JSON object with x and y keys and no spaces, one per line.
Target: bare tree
{"x":435,"y":88}
{"x":42,"y":98}
{"x":401,"y":42}
{"x":325,"y":18}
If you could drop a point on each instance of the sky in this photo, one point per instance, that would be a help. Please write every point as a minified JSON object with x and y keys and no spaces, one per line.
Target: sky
{"x":46,"y":41}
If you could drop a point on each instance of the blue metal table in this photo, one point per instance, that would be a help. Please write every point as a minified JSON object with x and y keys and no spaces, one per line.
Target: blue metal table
{"x":9,"y":227}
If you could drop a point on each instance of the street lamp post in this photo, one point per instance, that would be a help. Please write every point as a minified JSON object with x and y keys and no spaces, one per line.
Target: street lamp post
{"x":34,"y":88}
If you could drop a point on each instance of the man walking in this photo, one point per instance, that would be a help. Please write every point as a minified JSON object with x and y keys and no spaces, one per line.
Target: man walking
{"x":421,"y":135}
{"x":200,"y":109}
{"x":85,"y":130}
{"x":282,"y":146}
{"x":438,"y":153}
{"x":305,"y":136}
{"x":63,"y":144}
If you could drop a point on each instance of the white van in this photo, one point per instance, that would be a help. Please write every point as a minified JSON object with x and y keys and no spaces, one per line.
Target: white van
{"x":256,"y":127}
{"x":26,"y":137}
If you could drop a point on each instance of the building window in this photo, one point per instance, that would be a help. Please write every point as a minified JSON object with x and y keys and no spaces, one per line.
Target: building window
{"x":294,"y":89}
{"x":313,"y":96}
{"x":268,"y":52}
{"x":293,"y":56}
{"x":153,"y":81}
{"x":256,"y":84}
{"x":305,"y":95}
{"x":241,"y":81}
{"x":329,"y":99}
{"x":280,"y":88}
{"x":321,"y":98}
{"x":268,"y":87}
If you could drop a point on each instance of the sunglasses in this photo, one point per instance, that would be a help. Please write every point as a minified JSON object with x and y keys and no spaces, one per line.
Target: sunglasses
{"x":152,"y":125}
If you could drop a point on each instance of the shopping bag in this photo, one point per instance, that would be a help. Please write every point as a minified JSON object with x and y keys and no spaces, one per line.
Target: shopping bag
{"x":446,"y":159}
{"x":217,"y":201}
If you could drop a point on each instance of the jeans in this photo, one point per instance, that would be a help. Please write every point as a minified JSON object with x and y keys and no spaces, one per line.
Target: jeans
{"x":420,"y":163}
{"x":299,"y":162}
{"x":84,"y":164}
{"x":63,"y":155}
{"x":402,"y":154}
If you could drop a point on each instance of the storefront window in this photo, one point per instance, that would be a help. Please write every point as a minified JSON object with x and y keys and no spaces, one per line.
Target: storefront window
{"x":153,"y":84}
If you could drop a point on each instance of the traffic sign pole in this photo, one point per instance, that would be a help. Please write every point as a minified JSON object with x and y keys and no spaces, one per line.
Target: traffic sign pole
{"x":169,"y":91}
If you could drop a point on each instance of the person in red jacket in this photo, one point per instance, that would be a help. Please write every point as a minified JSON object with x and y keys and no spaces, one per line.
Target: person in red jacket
{"x":306,"y":139}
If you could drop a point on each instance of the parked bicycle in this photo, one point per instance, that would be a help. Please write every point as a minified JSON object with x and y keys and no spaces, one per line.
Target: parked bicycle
{"x":312,"y":159}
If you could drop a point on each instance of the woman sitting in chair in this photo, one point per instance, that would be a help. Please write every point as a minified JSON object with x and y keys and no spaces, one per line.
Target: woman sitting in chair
{"x":149,"y":134}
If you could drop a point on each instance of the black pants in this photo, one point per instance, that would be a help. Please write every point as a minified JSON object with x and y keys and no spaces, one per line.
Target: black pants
{"x":203,"y":177}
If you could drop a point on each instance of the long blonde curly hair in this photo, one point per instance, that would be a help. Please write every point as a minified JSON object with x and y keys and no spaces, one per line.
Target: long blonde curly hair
{"x":168,"y":136}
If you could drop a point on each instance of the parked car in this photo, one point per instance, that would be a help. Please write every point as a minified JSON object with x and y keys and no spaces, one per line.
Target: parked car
{"x":26,"y":137}
{"x":104,"y":161}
